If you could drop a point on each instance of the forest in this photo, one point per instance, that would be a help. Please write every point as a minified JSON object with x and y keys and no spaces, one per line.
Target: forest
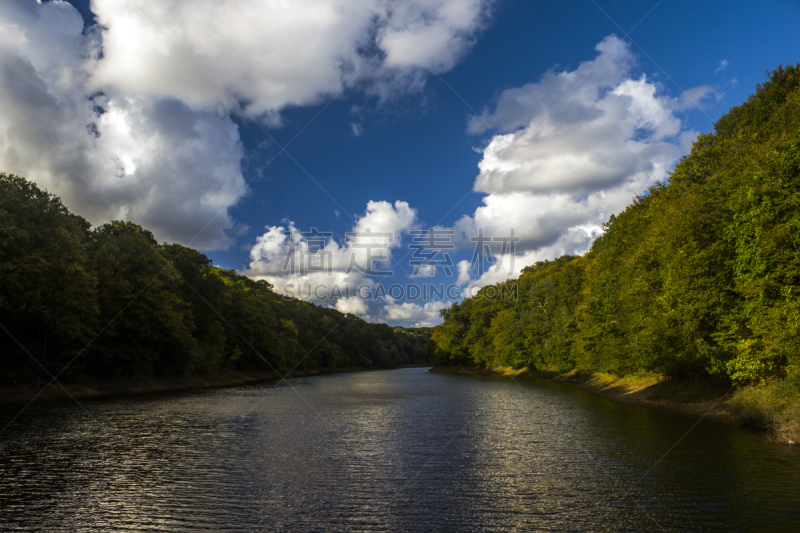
{"x":699,"y":276}
{"x":112,"y":303}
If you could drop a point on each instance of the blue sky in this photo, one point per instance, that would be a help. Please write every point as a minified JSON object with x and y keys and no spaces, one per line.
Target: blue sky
{"x":396,"y":133}
{"x":420,"y":152}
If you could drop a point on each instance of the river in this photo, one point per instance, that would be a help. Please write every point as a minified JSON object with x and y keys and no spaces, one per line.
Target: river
{"x":396,"y":450}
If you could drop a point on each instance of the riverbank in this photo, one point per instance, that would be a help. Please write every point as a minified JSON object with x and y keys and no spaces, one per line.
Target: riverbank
{"x":695,"y":398}
{"x":774,"y":408}
{"x":93,"y":388}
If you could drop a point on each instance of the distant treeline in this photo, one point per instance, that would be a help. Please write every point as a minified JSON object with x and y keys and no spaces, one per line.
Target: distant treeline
{"x":111,"y":302}
{"x":699,"y":276}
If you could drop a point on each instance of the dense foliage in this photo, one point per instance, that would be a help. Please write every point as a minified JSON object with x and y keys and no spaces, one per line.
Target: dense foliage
{"x":700,"y":275}
{"x":112,"y":302}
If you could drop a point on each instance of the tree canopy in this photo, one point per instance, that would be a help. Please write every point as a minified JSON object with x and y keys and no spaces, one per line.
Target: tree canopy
{"x":112,"y":302}
{"x":700,"y":275}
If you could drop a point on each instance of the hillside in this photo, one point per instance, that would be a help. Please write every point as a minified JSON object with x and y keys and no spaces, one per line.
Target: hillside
{"x":112,"y":303}
{"x":699,"y":278}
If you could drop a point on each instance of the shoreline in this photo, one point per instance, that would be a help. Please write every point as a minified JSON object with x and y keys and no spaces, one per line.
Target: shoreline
{"x":691,"y":398}
{"x":90,"y":388}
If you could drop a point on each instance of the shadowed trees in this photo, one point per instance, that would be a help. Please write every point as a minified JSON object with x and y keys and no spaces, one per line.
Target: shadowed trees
{"x":112,"y":302}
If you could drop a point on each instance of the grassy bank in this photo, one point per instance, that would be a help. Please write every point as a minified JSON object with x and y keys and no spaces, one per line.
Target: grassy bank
{"x":93,"y":388}
{"x":774,"y":407}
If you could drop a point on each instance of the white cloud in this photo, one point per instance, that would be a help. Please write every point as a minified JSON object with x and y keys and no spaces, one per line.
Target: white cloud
{"x":348,"y":290}
{"x":693,"y":97}
{"x":412,"y":314}
{"x":269,"y":55}
{"x":357,"y":129}
{"x":570,"y":150}
{"x":144,"y":129}
{"x":424,"y":271}
{"x":154,"y":161}
{"x":508,"y":266}
{"x":318,"y":268}
{"x":722,"y":65}
{"x":353,"y":305}
{"x":463,"y":273}
{"x":436,"y":38}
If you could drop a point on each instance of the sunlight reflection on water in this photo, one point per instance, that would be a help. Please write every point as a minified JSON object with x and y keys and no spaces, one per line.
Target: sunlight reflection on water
{"x":401,"y":450}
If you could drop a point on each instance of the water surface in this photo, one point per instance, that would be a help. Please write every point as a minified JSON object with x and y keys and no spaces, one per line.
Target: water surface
{"x":399,"y":450}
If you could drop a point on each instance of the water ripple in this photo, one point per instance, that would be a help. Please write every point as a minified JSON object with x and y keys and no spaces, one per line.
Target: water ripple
{"x":400,"y":450}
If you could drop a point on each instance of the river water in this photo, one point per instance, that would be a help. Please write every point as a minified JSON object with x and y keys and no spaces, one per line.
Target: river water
{"x":397,"y":450}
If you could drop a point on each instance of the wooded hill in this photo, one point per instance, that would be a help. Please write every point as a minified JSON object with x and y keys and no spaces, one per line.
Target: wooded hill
{"x":699,"y":276}
{"x":112,"y":302}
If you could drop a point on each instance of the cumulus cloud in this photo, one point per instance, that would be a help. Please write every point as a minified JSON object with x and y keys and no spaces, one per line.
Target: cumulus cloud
{"x":413,"y":314}
{"x":138,"y":106}
{"x":424,"y":271}
{"x":320,"y":269}
{"x":268,"y":55}
{"x":575,"y":240}
{"x":568,"y":151}
{"x":155,"y":161}
{"x":352,"y":305}
{"x":314,"y":266}
{"x":434,"y":37}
